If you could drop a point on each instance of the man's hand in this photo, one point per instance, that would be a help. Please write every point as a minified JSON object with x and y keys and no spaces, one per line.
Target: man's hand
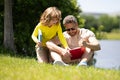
{"x":84,"y":43}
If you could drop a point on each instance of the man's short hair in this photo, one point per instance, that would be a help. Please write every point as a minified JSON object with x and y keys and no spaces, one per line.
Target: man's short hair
{"x":69,"y":19}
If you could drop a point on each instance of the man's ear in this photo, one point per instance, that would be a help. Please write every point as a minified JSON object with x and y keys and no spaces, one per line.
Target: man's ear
{"x":76,"y":24}
{"x":64,"y":25}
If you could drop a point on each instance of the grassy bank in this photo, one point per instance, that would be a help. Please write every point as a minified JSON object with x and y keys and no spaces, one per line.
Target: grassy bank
{"x":114,"y":35}
{"x":16,"y":68}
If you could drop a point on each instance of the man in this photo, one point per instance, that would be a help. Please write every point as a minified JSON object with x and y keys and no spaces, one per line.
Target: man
{"x":76,"y":37}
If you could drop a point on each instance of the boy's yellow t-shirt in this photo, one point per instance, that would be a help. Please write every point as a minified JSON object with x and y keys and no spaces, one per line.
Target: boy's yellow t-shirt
{"x":49,"y":32}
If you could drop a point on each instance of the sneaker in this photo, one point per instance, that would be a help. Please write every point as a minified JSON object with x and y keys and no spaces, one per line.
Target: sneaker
{"x":60,"y":63}
{"x":82,"y":64}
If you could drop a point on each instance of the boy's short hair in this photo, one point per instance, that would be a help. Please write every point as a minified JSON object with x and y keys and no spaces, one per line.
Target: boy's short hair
{"x":69,"y":19}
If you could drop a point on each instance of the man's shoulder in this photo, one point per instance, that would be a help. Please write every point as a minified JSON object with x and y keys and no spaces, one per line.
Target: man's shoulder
{"x":86,"y":32}
{"x":83,"y":30}
{"x":66,"y":34}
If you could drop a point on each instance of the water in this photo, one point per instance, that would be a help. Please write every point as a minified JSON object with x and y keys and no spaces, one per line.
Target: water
{"x":109,"y":55}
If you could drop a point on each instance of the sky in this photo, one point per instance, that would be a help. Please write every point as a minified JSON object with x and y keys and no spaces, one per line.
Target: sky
{"x":100,"y":6}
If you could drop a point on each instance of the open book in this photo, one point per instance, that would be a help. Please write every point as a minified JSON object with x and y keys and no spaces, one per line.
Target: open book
{"x":77,"y":53}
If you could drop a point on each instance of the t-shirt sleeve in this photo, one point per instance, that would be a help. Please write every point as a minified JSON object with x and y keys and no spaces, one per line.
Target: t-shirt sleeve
{"x":61,"y":37}
{"x":35,"y":32}
{"x":86,"y":33}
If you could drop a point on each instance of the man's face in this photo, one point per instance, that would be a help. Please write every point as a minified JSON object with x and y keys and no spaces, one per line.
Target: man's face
{"x":71,"y":28}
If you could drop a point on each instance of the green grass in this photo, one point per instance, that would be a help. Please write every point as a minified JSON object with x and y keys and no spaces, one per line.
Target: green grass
{"x":113,"y":36}
{"x":17,"y":68}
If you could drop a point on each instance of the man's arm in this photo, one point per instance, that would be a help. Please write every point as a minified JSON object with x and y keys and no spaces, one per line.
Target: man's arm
{"x":92,"y":43}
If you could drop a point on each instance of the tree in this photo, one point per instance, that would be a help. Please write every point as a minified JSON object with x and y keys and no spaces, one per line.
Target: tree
{"x":90,"y":21}
{"x":109,"y":22}
{"x":26,"y":14}
{"x":8,"y":26}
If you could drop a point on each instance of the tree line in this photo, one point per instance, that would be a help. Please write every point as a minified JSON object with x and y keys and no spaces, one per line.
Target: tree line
{"x":109,"y":22}
{"x":102,"y":24}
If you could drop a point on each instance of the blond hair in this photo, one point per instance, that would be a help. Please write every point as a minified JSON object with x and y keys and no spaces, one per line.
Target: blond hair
{"x":48,"y":14}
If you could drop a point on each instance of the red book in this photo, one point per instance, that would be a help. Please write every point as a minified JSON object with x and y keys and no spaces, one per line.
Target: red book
{"x":77,"y":53}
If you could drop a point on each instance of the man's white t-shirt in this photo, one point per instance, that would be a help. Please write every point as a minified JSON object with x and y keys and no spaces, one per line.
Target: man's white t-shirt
{"x":76,"y":41}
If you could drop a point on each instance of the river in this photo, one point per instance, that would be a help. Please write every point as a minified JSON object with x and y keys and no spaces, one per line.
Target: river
{"x":109,"y":55}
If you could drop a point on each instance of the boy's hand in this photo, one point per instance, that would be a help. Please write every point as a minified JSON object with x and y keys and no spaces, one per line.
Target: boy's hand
{"x":39,"y":44}
{"x":66,"y":55}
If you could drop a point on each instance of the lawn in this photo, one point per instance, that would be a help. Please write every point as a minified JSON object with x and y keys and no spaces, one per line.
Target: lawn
{"x":25,"y":68}
{"x":113,"y":36}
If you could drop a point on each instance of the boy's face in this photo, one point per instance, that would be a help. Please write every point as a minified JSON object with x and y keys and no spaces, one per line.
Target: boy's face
{"x":53,"y":21}
{"x":71,"y":28}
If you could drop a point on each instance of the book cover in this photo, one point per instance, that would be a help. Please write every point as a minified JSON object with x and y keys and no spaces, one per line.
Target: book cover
{"x":77,"y":53}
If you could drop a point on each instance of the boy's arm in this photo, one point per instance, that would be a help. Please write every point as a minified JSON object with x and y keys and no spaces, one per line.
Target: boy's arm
{"x":62,"y":38}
